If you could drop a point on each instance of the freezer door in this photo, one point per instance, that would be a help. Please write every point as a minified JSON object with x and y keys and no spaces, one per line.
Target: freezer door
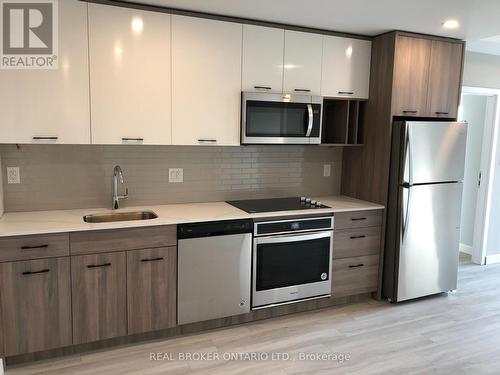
{"x":435,"y":152}
{"x":430,"y":234}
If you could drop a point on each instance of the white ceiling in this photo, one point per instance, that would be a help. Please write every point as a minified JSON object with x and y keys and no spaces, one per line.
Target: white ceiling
{"x":478,"y":18}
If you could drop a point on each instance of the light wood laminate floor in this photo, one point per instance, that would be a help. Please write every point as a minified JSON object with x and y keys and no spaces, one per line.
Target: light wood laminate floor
{"x":457,"y":333}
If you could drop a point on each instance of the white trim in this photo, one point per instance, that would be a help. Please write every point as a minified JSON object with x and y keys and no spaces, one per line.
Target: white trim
{"x":2,"y":366}
{"x":490,"y":259}
{"x":465,"y":249}
{"x":490,"y":136}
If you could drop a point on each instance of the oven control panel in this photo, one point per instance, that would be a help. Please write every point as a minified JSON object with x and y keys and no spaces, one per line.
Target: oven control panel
{"x":268,"y":228}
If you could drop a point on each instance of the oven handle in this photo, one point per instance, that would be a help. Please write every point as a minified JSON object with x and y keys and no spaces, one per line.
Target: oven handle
{"x":311,"y":118}
{"x":294,"y":237}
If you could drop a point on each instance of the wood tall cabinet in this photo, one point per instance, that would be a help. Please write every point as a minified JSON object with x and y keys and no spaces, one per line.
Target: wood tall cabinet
{"x":412,"y":77}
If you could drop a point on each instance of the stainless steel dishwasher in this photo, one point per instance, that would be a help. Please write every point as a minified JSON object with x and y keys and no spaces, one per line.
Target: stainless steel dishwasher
{"x":214,"y":270}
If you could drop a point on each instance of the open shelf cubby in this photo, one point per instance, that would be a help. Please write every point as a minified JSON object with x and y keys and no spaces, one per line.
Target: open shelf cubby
{"x":343,"y":121}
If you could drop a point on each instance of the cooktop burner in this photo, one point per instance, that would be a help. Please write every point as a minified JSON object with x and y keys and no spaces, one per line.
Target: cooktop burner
{"x":276,"y":204}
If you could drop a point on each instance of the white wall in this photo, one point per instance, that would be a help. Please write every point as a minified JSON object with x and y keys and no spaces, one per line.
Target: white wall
{"x":482,"y":70}
{"x":473,"y":111}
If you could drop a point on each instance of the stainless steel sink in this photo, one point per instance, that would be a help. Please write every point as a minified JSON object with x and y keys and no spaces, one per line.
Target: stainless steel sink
{"x":120,"y":216}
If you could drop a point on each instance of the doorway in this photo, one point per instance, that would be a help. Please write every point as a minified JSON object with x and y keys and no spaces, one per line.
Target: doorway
{"x":480,"y":108}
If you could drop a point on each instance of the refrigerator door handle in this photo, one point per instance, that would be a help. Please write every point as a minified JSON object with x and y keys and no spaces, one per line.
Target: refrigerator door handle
{"x":405,"y":213}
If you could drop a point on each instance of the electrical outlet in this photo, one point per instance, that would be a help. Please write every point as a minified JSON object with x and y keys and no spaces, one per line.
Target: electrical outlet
{"x":13,"y":176}
{"x":327,"y":170}
{"x":175,"y":175}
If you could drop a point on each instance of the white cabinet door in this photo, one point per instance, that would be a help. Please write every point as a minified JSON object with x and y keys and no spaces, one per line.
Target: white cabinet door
{"x":51,"y":104}
{"x":262,"y":68}
{"x":303,"y":54}
{"x":346,"y":67}
{"x":206,"y":81}
{"x":129,"y":75}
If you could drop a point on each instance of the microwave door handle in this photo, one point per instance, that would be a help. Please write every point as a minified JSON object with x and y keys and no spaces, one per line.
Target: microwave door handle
{"x":310,"y":122}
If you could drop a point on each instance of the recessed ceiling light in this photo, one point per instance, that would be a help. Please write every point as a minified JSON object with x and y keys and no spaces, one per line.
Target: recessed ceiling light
{"x":451,"y":24}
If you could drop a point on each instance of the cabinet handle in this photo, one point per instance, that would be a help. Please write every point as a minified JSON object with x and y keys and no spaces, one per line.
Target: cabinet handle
{"x":346,"y":93}
{"x":34,"y":247}
{"x":208,"y":140}
{"x":356,"y":265}
{"x":132,"y":139}
{"x":302,"y":90}
{"x":412,"y":112}
{"x":46,"y":138}
{"x":357,"y":218}
{"x":99,"y":265}
{"x":26,"y":273}
{"x":441,"y":113}
{"x":152,"y":259}
{"x":356,"y":237}
{"x":263,"y":87}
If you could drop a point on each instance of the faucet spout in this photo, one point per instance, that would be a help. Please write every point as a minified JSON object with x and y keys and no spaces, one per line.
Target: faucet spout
{"x":118,"y":179}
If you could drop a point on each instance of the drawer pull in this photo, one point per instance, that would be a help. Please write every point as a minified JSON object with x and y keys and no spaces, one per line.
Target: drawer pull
{"x":356,"y":237}
{"x":152,"y":259}
{"x":34,"y":247}
{"x":302,"y":90}
{"x":357,"y":218}
{"x":27,"y":273}
{"x":441,"y":113}
{"x":356,"y":265}
{"x":346,"y":93}
{"x":45,"y":138}
{"x":207,"y":140}
{"x":99,"y":265}
{"x":411,"y":112}
{"x":262,"y":87}
{"x":132,"y":139}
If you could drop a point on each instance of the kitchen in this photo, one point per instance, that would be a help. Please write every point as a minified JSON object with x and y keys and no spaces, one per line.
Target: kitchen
{"x":200,"y":182}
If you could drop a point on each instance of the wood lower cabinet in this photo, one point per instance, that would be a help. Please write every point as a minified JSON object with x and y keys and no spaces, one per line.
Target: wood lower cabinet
{"x":36,"y":305}
{"x":151,"y":289}
{"x":99,"y":296}
{"x":355,"y":275}
{"x":356,"y":242}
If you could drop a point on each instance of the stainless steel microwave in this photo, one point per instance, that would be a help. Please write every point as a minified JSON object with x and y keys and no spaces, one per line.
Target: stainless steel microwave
{"x":280,"y":118}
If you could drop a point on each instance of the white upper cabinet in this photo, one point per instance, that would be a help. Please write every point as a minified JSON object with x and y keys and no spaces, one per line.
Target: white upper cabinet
{"x":303,"y":54}
{"x":262,"y":68}
{"x":130,"y":73}
{"x":206,"y":81}
{"x":346,"y":67}
{"x":40,"y":106}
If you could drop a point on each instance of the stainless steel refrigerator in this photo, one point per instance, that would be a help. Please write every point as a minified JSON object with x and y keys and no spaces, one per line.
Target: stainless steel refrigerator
{"x":424,"y":206}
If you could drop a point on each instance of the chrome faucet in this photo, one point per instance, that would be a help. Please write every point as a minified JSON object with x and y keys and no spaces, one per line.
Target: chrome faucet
{"x":118,"y":177}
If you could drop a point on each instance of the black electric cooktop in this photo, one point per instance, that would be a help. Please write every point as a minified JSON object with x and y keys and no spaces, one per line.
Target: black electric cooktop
{"x":276,"y":204}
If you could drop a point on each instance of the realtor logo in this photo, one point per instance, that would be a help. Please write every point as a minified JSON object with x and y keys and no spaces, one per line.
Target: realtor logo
{"x":29,"y":34}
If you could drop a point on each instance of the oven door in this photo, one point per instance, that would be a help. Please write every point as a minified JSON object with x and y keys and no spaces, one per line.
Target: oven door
{"x":281,"y":119}
{"x":291,"y":267}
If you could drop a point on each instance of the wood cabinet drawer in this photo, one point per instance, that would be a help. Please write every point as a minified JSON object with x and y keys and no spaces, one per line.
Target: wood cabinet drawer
{"x":355,"y":275}
{"x":349,"y":243}
{"x":358,"y":219}
{"x":33,"y":247}
{"x":151,"y":289}
{"x":123,"y":239}
{"x":99,"y":295}
{"x":36,"y":305}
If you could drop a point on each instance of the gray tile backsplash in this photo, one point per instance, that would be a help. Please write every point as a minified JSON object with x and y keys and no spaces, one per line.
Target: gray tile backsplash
{"x":68,"y":176}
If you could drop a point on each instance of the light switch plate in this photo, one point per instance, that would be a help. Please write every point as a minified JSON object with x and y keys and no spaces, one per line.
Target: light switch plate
{"x":13,"y":175}
{"x":327,"y":170}
{"x":175,"y":175}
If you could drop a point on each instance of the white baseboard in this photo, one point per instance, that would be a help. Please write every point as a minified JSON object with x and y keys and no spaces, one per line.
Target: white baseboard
{"x":465,"y":249}
{"x":490,"y":259}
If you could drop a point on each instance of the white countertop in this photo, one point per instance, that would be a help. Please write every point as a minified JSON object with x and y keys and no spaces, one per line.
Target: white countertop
{"x":39,"y":222}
